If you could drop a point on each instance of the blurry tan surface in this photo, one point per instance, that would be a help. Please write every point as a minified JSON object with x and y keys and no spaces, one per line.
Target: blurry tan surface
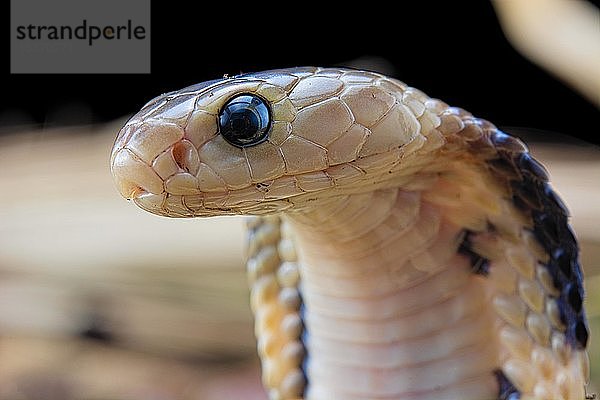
{"x":172,"y":293}
{"x":50,"y":369}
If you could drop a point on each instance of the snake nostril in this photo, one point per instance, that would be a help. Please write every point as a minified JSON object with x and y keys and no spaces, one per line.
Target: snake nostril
{"x":186,"y":156}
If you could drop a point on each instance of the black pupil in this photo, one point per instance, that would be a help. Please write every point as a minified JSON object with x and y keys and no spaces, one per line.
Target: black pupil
{"x":244,"y":120}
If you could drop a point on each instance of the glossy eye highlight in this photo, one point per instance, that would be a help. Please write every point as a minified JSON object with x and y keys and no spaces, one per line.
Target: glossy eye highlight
{"x":245,"y":120}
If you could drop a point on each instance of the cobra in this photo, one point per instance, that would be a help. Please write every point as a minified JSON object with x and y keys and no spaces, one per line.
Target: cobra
{"x":398,"y":248}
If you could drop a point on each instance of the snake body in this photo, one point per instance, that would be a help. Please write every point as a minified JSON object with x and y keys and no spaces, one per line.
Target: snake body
{"x":399,"y":248}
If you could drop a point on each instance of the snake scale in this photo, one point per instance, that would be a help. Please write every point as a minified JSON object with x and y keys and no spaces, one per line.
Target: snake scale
{"x":398,"y":248}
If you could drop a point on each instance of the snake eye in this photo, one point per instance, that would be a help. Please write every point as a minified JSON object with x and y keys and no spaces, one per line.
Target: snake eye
{"x":244,"y":120}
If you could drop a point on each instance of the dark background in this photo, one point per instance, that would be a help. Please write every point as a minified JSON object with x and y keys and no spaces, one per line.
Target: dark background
{"x":455,"y":51}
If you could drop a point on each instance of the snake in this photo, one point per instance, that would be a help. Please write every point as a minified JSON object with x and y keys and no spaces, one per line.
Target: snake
{"x":397,"y":247}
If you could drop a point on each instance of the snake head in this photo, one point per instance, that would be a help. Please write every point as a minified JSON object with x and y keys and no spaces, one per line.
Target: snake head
{"x":265,"y":142}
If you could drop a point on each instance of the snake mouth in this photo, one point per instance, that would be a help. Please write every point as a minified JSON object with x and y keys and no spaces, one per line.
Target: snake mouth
{"x":205,"y":204}
{"x":137,"y":193}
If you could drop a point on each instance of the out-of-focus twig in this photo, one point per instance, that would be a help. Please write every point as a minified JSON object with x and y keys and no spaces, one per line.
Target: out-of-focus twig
{"x":562,"y":36}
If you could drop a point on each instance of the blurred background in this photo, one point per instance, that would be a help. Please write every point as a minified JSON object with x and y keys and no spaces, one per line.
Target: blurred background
{"x":99,"y":300}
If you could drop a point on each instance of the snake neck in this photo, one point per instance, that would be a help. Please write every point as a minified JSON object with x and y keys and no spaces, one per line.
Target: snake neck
{"x":392,"y":310}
